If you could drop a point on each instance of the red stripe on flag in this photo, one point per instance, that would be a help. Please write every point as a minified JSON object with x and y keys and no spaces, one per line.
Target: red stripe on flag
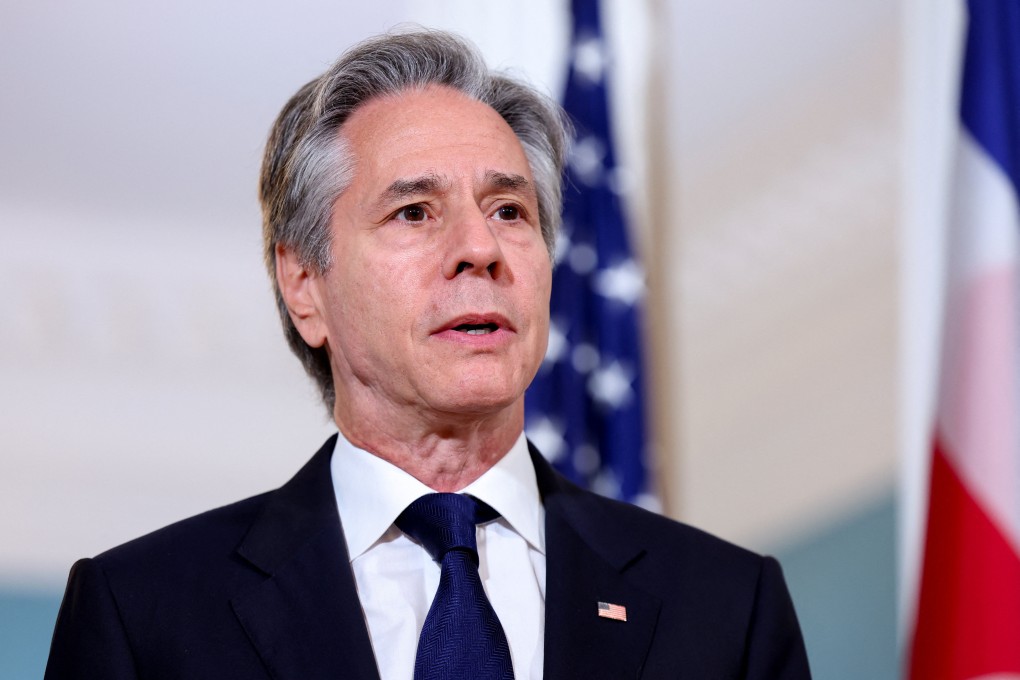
{"x":968,"y":621}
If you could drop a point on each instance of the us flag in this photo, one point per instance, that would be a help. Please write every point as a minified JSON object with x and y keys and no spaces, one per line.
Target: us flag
{"x":585,"y":410}
{"x":612,"y":611}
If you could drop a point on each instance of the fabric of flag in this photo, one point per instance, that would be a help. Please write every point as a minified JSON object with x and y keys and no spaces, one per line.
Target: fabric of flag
{"x":968,"y":616}
{"x":585,"y":409}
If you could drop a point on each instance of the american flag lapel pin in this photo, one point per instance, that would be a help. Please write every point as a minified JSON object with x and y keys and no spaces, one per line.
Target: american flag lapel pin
{"x":616,"y":612}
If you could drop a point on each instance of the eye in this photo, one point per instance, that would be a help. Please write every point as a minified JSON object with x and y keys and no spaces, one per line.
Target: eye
{"x":508,"y":213}
{"x":411,"y":213}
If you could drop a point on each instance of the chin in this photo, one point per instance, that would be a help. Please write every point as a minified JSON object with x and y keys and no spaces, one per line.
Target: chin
{"x":482,"y":404}
{"x":481,"y":399}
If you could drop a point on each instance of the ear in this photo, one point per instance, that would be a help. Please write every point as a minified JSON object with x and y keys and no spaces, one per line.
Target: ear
{"x":300,"y":290}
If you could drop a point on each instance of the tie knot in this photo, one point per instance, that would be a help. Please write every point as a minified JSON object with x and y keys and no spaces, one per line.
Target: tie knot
{"x":444,"y":521}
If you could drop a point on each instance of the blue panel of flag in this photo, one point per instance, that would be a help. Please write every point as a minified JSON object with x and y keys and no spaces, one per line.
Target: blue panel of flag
{"x":990,"y":100}
{"x":585,"y":410}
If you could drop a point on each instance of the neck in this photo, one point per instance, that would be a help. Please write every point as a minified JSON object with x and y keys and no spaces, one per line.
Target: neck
{"x":445,"y":453}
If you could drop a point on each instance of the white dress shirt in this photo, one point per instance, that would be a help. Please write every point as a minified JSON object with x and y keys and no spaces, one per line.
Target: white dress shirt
{"x":396,"y":577}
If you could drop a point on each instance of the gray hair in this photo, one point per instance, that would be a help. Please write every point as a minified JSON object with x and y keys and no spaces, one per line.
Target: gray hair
{"x":307,"y":165}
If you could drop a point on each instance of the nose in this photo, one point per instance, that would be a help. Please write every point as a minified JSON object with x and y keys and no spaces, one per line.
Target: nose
{"x":473,"y":247}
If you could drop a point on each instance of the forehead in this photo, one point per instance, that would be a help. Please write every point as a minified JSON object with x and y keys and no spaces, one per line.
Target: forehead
{"x":435,"y":130}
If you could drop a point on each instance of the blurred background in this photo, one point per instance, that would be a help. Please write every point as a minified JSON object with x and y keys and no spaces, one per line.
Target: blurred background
{"x":782,"y":164}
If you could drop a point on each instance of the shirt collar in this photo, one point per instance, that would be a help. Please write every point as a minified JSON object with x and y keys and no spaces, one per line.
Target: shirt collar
{"x":510,"y":486}
{"x":372,"y":492}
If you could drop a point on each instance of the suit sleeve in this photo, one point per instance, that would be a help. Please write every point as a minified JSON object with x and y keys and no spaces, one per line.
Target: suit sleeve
{"x":775,"y":648}
{"x":89,"y":640}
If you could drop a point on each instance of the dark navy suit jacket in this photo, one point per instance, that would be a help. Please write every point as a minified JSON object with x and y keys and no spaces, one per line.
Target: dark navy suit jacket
{"x":263,"y":589}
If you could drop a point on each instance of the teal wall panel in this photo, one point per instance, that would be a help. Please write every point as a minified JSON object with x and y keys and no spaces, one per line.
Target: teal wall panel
{"x":843,"y":583}
{"x":26,"y":624}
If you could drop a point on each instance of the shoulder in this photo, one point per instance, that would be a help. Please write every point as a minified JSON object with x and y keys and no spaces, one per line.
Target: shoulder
{"x":673,"y":549}
{"x":186,"y":571}
{"x":693,"y":574}
{"x":210,"y":542}
{"x":607,"y":523}
{"x":719,"y":610}
{"x":720,"y":606}
{"x":613,"y":527}
{"x":167,"y":600}
{"x":153,"y":600}
{"x":189,"y":541}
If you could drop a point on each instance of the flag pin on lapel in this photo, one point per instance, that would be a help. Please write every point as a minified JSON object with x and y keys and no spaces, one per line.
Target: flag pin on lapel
{"x":617,"y":612}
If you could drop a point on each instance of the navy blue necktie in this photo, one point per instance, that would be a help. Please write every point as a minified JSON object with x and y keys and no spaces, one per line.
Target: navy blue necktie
{"x":461,"y":638}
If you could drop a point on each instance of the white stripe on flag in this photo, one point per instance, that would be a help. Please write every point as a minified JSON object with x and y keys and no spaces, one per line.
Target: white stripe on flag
{"x":979,"y":405}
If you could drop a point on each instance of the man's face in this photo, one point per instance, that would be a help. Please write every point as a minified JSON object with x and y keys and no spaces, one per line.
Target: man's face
{"x":437,"y":302}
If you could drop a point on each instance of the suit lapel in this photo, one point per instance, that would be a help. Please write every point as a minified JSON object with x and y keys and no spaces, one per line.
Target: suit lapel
{"x":305,"y":618}
{"x":584,"y":566}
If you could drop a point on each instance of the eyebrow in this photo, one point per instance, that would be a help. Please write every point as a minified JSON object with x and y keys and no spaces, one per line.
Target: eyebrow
{"x":501,"y":180}
{"x":403,"y":188}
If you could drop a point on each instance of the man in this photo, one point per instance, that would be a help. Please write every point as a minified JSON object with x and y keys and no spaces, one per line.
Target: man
{"x":410,"y":203}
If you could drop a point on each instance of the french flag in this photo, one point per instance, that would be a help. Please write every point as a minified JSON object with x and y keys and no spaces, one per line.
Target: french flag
{"x":967,"y":623}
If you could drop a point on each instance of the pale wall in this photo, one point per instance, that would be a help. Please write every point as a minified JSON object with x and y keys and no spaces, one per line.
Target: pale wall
{"x":144,"y":378}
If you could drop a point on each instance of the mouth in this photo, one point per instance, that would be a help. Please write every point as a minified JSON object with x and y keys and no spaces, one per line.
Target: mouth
{"x":477,"y":324}
{"x":476,"y":328}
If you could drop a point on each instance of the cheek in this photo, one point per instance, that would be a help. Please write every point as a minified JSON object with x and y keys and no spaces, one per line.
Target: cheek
{"x":547,"y":285}
{"x":377,"y":280}
{"x":543,"y":294}
{"x":387,"y":302}
{"x":536,"y":303}
{"x":542,"y":286}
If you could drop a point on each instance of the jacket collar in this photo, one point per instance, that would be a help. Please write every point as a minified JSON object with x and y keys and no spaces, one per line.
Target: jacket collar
{"x":305,"y":618}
